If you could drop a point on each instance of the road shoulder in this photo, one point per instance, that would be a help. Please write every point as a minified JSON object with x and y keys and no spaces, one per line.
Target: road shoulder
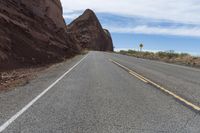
{"x":13,"y":100}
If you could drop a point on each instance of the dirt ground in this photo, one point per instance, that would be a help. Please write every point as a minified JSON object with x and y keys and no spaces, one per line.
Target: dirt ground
{"x":17,"y":77}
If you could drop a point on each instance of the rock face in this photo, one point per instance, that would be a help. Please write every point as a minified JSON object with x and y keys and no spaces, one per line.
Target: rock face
{"x":33,"y":32}
{"x":89,"y":34}
{"x":51,"y":9}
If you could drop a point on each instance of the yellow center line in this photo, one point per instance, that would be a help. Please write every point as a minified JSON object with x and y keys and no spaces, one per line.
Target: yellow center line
{"x":146,"y":80}
{"x":134,"y":74}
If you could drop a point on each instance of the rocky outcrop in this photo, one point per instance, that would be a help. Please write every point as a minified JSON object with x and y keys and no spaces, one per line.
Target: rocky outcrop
{"x":51,"y":9}
{"x":89,"y":34}
{"x":33,"y":32}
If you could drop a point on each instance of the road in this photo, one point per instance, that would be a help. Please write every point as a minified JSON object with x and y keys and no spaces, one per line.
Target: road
{"x":91,"y":94}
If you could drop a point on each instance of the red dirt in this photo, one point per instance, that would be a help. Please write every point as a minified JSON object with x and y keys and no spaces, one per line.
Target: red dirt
{"x":17,"y":77}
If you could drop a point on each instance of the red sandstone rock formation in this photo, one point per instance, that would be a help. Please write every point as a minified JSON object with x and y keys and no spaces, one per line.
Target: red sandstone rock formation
{"x":33,"y":32}
{"x":89,"y":34}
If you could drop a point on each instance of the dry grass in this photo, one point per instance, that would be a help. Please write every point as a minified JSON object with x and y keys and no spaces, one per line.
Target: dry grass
{"x":168,"y":56}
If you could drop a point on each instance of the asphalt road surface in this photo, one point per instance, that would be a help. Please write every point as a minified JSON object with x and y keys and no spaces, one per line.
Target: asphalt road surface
{"x":90,"y":94}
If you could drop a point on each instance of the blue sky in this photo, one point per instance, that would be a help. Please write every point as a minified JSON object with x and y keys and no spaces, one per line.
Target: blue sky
{"x":159,"y":24}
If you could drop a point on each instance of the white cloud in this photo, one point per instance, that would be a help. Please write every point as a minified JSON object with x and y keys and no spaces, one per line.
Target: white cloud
{"x":174,"y":11}
{"x":183,"y":11}
{"x":179,"y":31}
{"x":71,"y":15}
{"x":136,"y":49}
{"x":119,"y":49}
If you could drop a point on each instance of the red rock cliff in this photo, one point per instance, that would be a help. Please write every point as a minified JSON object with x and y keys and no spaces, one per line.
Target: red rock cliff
{"x":89,"y":34}
{"x":46,"y":8}
{"x":33,"y":32}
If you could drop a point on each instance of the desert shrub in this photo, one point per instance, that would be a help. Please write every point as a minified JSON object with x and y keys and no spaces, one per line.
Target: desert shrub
{"x":132,"y":51}
{"x":195,"y":58}
{"x":172,"y":55}
{"x":123,"y":52}
{"x":161,"y":54}
{"x":148,"y":54}
{"x":184,"y":54}
{"x":168,"y":55}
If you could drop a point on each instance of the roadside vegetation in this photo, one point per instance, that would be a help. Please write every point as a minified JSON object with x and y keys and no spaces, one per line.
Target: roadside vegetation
{"x":166,"y":56}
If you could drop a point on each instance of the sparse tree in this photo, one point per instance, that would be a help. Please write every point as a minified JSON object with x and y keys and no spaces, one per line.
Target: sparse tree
{"x":141,"y":46}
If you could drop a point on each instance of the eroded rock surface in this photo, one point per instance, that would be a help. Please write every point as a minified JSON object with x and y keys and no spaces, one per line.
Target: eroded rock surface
{"x":33,"y":32}
{"x":89,"y":34}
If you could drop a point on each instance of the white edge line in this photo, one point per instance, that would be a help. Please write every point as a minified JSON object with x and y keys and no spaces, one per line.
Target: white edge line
{"x":13,"y":118}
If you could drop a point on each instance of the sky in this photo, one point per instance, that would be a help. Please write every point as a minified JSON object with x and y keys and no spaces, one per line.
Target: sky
{"x":158,"y":24}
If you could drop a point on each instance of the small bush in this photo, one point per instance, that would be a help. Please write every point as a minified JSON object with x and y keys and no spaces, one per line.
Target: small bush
{"x":168,"y":56}
{"x":123,"y":52}
{"x":184,"y":54}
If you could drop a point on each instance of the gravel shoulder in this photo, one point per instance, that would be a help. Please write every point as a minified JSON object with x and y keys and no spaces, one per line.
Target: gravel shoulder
{"x":22,"y":91}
